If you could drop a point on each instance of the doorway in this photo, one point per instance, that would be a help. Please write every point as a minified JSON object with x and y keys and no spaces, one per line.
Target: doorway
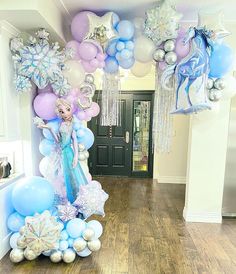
{"x":125,"y":150}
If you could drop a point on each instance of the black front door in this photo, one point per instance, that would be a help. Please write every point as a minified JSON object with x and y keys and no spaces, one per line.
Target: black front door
{"x":124,"y":150}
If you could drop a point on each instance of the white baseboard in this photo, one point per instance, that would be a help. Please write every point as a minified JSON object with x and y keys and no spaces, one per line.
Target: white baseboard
{"x":202,"y":217}
{"x":5,"y":246}
{"x":171,"y":179}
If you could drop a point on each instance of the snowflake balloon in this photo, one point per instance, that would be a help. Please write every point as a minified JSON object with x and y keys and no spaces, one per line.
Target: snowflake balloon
{"x":162,"y":22}
{"x":67,"y":212}
{"x":41,"y":232}
{"x":91,"y":199}
{"x":40,"y":62}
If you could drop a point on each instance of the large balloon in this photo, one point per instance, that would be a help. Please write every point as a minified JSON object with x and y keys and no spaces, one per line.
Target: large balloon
{"x":44,"y":105}
{"x":32,"y":195}
{"x":74,"y":72}
{"x":143,"y":49}
{"x":80,"y":25}
{"x":141,"y":69}
{"x":221,"y":60}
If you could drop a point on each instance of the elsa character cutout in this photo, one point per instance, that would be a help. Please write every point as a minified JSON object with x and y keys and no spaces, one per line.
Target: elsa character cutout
{"x":64,"y":159}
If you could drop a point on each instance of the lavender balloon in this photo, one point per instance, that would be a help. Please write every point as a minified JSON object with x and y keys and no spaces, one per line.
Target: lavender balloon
{"x":87,"y":51}
{"x":47,"y":89}
{"x":44,"y":105}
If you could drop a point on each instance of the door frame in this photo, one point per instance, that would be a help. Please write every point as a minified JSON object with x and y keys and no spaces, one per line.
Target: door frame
{"x":137,"y":94}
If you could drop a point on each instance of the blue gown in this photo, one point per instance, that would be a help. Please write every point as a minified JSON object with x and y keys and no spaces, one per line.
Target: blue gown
{"x":73,"y":177}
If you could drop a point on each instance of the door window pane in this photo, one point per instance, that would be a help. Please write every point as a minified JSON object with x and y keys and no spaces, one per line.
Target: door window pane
{"x":141,"y":123}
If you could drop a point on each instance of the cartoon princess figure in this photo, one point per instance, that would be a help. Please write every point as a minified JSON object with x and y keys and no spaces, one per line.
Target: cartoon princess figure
{"x":64,"y":159}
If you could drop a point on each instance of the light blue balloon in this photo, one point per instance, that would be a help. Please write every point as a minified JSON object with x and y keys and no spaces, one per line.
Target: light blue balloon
{"x":221,"y":60}
{"x":84,"y":253}
{"x":118,"y":56}
{"x":63,"y":245}
{"x":47,"y":253}
{"x":129,"y":45}
{"x":76,"y":123}
{"x":115,"y":20}
{"x":111,"y":49}
{"x":125,"y":30}
{"x":70,"y":242}
{"x":111,"y":65}
{"x":64,"y":235}
{"x":13,"y":239}
{"x":46,"y":147}
{"x":126,"y":54}
{"x":120,"y":45}
{"x":54,"y":125}
{"x":15,"y":221}
{"x":87,"y":139}
{"x":126,"y":63}
{"x":32,"y":195}
{"x":97,"y":227}
{"x":61,"y":224}
{"x":75,"y":227}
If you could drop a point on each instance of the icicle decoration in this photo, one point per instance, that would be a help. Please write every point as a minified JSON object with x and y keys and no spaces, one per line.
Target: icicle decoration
{"x":162,"y":129}
{"x":110,"y":105}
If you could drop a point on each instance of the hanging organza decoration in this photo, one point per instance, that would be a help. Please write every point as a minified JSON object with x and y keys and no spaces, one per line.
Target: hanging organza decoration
{"x":110,"y":105}
{"x":162,"y":128}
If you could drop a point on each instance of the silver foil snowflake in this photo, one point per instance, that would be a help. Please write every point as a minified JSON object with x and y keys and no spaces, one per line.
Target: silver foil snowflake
{"x":40,"y":62}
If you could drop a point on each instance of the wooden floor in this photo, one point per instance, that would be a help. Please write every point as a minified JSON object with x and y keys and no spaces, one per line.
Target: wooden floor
{"x":144,"y":233}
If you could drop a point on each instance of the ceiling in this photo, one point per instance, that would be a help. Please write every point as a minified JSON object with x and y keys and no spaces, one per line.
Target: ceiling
{"x":132,"y":8}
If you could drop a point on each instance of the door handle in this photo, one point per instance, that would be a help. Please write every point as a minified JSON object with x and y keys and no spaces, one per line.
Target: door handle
{"x":127,"y":137}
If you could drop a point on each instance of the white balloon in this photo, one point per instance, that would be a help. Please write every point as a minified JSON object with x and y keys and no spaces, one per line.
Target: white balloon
{"x":56,"y":256}
{"x":13,"y":240}
{"x":17,"y":255}
{"x":74,"y":72}
{"x":94,"y":245}
{"x":143,"y":49}
{"x":141,"y":69}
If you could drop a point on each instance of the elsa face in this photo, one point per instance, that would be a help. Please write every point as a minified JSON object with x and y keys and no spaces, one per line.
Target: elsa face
{"x":65,"y":112}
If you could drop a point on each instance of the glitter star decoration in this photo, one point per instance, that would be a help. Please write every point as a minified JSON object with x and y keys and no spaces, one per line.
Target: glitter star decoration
{"x":162,"y":22}
{"x":67,"y":212}
{"x":91,"y":199}
{"x":40,"y":62}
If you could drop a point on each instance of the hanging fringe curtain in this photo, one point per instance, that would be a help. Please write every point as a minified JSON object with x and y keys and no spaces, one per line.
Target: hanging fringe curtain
{"x":110,"y":104}
{"x":162,"y":128}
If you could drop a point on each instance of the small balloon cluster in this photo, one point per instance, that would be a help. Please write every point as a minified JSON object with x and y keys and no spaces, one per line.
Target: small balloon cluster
{"x":215,"y":87}
{"x":38,"y":228}
{"x":166,"y":54}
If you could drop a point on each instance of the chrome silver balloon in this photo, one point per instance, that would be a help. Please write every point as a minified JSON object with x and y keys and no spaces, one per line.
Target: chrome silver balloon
{"x":219,"y":83}
{"x":68,"y":256}
{"x":79,"y":244}
{"x":30,"y":254}
{"x":169,"y":45}
{"x":17,"y":255}
{"x":89,"y":78}
{"x":214,"y":95}
{"x":88,"y":234}
{"x":56,"y":256}
{"x":170,"y":58}
{"x":159,"y":55}
{"x":94,"y":245}
{"x":210,"y":83}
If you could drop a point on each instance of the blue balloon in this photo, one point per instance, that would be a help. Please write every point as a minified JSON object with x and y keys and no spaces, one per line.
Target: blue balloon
{"x":115,"y":20}
{"x":87,"y":139}
{"x":15,"y":221}
{"x":221,"y":60}
{"x":84,"y":253}
{"x":126,"y":54}
{"x":97,"y":227}
{"x":120,"y":46}
{"x":32,"y":195}
{"x":75,"y":227}
{"x":76,"y":123}
{"x":63,"y":245}
{"x":125,"y":30}
{"x":70,"y":242}
{"x":111,"y":49}
{"x":129,"y":45}
{"x":126,"y":63}
{"x":13,"y":239}
{"x":64,"y":235}
{"x":118,"y":56}
{"x":54,"y":125}
{"x":111,"y":65}
{"x":46,"y":147}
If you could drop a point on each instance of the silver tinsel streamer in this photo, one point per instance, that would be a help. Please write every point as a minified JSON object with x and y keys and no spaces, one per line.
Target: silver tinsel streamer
{"x":110,"y":106}
{"x":162,"y":128}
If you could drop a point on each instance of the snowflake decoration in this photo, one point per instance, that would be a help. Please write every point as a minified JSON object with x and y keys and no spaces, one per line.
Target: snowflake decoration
{"x":40,"y":62}
{"x":67,"y":212}
{"x":162,"y":23}
{"x":41,"y":233}
{"x":91,"y":199}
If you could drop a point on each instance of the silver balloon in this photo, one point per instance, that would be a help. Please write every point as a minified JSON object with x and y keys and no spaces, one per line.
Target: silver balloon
{"x":159,"y":55}
{"x":17,"y":255}
{"x":89,"y":78}
{"x":82,"y":156}
{"x":94,"y":245}
{"x":22,"y":230}
{"x":215,"y":95}
{"x":88,"y":234}
{"x":56,"y":256}
{"x":219,"y":84}
{"x":169,"y":45}
{"x":30,"y":254}
{"x":81,"y":147}
{"x":21,"y":242}
{"x":68,"y":256}
{"x":210,"y":83}
{"x":170,"y":58}
{"x":79,"y":244}
{"x":86,"y":153}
